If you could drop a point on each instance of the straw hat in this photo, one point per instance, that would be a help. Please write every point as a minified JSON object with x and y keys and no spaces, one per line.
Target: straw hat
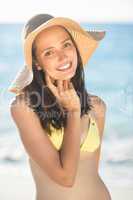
{"x":86,"y":42}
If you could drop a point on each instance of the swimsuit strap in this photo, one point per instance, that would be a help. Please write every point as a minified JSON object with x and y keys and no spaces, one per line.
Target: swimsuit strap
{"x":92,"y":140}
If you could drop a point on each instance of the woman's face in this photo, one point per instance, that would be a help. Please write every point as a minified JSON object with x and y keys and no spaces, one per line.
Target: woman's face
{"x":56,"y":54}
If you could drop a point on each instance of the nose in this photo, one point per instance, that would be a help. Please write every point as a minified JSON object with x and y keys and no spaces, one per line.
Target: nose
{"x":62,"y":55}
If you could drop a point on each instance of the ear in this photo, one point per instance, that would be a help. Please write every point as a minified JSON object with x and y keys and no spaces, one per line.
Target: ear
{"x":37,"y":66}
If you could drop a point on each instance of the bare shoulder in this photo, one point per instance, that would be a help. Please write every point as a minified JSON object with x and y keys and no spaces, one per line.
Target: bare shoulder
{"x":98,"y":106}
{"x":98,"y":111}
{"x":20,"y":108}
{"x":19,"y":99}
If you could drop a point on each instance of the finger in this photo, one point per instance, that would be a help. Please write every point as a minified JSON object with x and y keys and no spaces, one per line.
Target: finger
{"x":51,"y":86}
{"x":65,"y":84}
{"x":55,"y":83}
{"x":70,"y":85}
{"x":52,"y":80}
{"x":48,"y":80}
{"x":60,"y":86}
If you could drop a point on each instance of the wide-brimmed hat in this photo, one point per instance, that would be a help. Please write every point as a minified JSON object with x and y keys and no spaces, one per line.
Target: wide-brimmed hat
{"x":85,"y":40}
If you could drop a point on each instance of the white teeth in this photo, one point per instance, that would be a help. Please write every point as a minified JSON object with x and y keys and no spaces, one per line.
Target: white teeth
{"x":64,"y":66}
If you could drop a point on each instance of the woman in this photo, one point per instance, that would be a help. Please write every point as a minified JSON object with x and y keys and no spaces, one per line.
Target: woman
{"x":60,"y":124}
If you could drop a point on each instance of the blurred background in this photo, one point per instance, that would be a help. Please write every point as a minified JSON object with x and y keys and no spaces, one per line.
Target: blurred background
{"x":108,"y":74}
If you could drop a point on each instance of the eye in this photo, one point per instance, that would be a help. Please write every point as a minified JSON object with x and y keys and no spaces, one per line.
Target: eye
{"x":67,"y":44}
{"x":48,"y":53}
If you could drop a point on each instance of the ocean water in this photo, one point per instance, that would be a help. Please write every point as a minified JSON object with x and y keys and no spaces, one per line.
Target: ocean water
{"x":108,"y":74}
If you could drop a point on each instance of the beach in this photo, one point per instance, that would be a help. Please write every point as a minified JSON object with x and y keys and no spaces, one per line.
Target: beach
{"x":109,"y":75}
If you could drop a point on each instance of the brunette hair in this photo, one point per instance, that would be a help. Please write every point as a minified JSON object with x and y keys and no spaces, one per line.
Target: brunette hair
{"x":45,"y":104}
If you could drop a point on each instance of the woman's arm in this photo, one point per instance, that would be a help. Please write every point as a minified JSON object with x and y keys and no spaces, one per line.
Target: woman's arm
{"x":60,"y":168}
{"x":70,"y":151}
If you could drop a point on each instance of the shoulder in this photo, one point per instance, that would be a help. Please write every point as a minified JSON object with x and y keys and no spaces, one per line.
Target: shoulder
{"x":19,"y":107}
{"x":24,"y":116}
{"x":98,"y":106}
{"x":19,"y":100}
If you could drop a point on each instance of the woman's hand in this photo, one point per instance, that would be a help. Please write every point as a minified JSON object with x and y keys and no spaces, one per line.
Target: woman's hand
{"x":65,"y":93}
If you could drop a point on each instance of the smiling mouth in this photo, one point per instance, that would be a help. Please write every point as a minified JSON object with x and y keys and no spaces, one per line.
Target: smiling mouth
{"x":65,"y":67}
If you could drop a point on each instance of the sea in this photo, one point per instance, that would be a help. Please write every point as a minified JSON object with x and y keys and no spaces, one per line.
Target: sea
{"x":108,"y":74}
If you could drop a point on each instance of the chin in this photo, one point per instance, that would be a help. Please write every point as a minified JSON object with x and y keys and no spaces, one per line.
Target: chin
{"x":67,"y":77}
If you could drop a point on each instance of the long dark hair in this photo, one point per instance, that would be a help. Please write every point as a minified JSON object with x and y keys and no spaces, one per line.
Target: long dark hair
{"x":45,"y":104}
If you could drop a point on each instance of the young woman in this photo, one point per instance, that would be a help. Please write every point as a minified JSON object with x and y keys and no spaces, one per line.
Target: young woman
{"x":60,"y":124}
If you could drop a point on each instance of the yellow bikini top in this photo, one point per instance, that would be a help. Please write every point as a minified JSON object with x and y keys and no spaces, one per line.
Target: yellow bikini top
{"x":90,"y":144}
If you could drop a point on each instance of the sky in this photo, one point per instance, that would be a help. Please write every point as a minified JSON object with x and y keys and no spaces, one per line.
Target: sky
{"x":82,"y":10}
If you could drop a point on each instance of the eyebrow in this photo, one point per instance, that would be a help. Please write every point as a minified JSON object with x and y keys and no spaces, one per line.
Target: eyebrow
{"x":53,"y":47}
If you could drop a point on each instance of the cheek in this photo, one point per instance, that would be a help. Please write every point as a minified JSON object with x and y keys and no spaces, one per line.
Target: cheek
{"x":75,"y":59}
{"x":49,"y":67}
